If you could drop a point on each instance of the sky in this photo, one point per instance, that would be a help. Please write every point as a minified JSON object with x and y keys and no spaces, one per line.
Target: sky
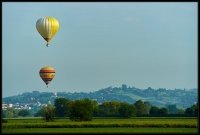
{"x":100,"y":45}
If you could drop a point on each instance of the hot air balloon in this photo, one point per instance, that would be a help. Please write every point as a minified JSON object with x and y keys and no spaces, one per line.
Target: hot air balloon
{"x":47,"y":73}
{"x":47,"y":27}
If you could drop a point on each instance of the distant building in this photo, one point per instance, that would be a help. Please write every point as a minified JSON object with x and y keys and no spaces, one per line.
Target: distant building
{"x":124,"y":87}
{"x":55,"y":94}
{"x":4,"y":106}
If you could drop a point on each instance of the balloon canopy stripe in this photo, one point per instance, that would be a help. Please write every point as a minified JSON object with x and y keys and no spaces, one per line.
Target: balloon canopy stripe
{"x":47,"y":75}
{"x":47,"y":71}
{"x":48,"y":79}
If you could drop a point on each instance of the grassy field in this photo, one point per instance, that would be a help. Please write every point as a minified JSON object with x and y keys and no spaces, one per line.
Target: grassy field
{"x":102,"y":125}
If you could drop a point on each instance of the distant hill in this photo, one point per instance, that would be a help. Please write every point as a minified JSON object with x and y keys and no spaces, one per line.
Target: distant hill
{"x":158,"y":97}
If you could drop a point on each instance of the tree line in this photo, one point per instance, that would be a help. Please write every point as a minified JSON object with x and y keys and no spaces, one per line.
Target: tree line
{"x":86,"y":109}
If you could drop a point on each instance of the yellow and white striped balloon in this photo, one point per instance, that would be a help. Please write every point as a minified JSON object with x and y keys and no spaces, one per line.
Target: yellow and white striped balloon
{"x":47,"y":27}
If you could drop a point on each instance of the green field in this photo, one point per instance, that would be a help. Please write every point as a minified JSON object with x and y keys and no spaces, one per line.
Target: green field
{"x":103,"y":125}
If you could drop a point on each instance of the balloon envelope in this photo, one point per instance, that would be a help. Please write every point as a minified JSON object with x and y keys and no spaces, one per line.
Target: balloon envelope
{"x":47,"y":73}
{"x":47,"y":27}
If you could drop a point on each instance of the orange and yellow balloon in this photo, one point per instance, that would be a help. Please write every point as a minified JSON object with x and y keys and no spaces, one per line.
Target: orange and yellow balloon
{"x":47,"y":73}
{"x":47,"y":27}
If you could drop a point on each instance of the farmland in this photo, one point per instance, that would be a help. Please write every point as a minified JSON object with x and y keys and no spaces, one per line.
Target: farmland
{"x":103,"y":125}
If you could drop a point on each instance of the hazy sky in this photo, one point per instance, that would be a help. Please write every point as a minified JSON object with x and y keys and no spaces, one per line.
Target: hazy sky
{"x":100,"y":45}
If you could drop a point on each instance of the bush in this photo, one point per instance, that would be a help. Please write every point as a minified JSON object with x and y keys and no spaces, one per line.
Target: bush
{"x":81,"y":110}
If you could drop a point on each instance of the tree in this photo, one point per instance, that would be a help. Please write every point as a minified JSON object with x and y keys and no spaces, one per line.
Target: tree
{"x":81,"y":110}
{"x":163,"y":111}
{"x":126,"y":110}
{"x":39,"y":113}
{"x":109,"y":109}
{"x":189,"y":112}
{"x":48,"y":112}
{"x":10,"y":112}
{"x":192,"y":111}
{"x":95,"y":107}
{"x":195,"y":109}
{"x":3,"y":113}
{"x":154,"y":111}
{"x":147,"y":107}
{"x":141,"y":108}
{"x":181,"y":111}
{"x":23,"y":112}
{"x":61,"y":107}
